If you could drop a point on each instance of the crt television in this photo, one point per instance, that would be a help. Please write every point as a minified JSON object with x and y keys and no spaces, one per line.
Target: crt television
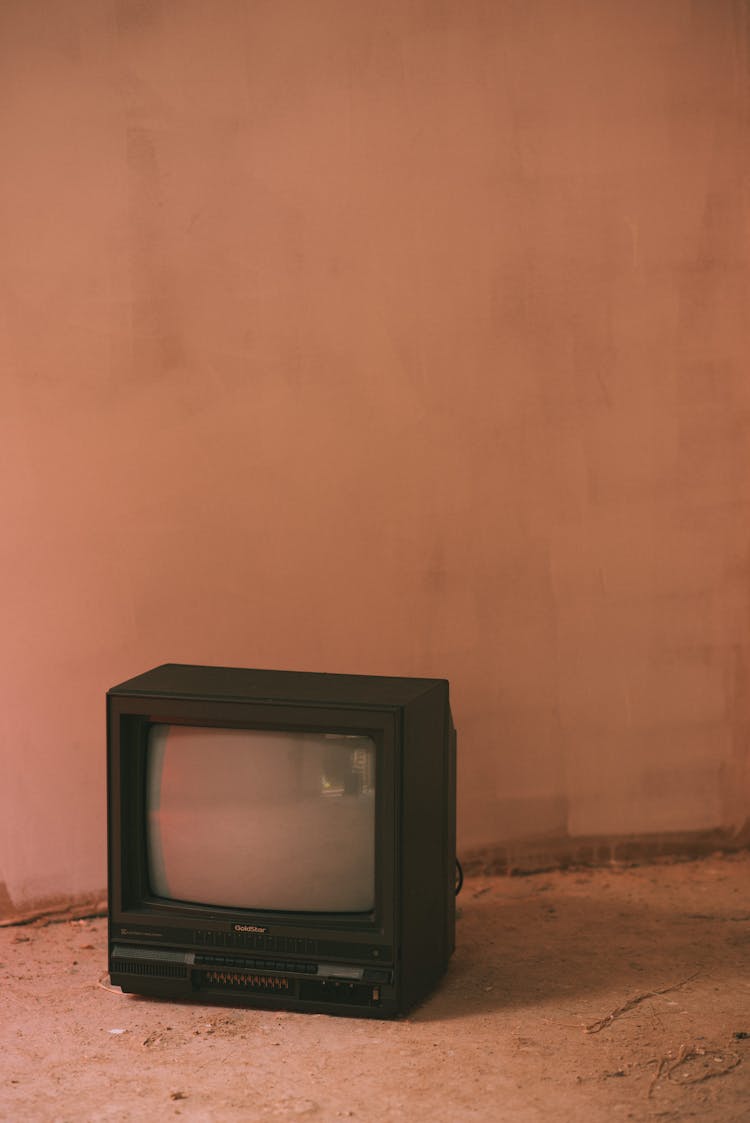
{"x":281,"y":839}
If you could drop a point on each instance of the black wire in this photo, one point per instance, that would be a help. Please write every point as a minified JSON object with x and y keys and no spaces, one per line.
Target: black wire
{"x":459,"y":877}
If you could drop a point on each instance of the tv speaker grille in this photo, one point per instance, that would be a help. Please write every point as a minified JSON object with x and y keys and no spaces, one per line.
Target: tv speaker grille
{"x":154,"y":970}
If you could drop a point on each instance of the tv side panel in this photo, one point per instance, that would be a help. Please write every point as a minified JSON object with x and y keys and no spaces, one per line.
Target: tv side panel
{"x":427,"y":851}
{"x":451,"y":765}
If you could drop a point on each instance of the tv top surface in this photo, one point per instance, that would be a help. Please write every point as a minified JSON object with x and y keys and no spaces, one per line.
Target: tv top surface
{"x":183,"y":680}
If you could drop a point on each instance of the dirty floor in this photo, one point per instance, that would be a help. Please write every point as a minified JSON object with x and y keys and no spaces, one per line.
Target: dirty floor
{"x":582,"y":995}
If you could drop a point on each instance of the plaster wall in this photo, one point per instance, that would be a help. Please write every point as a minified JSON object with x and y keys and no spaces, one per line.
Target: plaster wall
{"x":404,"y":338}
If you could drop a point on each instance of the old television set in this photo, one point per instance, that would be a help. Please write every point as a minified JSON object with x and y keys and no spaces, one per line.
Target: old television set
{"x":281,"y":839}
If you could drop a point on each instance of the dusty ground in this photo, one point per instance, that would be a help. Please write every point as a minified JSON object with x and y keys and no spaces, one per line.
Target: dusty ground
{"x":538,"y":959}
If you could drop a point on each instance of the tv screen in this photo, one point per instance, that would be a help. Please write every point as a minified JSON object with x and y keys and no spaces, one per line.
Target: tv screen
{"x":228,"y":810}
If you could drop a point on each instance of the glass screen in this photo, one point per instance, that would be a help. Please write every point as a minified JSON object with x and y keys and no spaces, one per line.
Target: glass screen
{"x":249,"y":819}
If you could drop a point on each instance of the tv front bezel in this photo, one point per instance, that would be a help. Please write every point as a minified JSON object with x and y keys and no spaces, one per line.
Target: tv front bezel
{"x":134,"y":909}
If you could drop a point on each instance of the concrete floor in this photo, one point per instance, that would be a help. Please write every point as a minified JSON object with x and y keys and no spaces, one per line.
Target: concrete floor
{"x":504,"y":1038}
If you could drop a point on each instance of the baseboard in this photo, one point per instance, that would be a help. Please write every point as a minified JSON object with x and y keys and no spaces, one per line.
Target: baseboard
{"x":51,"y":909}
{"x":535,"y":855}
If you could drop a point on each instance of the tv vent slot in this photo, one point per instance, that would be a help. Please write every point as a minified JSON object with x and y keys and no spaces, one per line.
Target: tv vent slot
{"x":154,"y":970}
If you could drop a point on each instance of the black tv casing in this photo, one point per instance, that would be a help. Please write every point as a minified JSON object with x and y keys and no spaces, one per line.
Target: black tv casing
{"x":375,"y":964}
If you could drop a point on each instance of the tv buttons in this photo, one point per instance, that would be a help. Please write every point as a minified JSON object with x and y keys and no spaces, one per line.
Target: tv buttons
{"x":375,"y":975}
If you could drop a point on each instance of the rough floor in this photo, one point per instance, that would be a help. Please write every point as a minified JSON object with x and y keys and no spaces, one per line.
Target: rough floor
{"x":654,"y":961}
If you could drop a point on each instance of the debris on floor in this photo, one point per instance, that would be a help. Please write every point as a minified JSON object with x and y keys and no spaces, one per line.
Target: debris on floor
{"x":653,"y":963}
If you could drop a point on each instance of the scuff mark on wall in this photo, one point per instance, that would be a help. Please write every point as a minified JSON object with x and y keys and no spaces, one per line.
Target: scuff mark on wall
{"x":6,"y":904}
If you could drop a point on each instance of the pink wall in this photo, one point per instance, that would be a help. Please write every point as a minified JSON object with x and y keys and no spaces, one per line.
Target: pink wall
{"x":405,"y":338}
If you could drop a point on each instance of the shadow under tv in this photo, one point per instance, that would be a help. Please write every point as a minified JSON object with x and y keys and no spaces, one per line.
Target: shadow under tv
{"x":281,"y":839}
